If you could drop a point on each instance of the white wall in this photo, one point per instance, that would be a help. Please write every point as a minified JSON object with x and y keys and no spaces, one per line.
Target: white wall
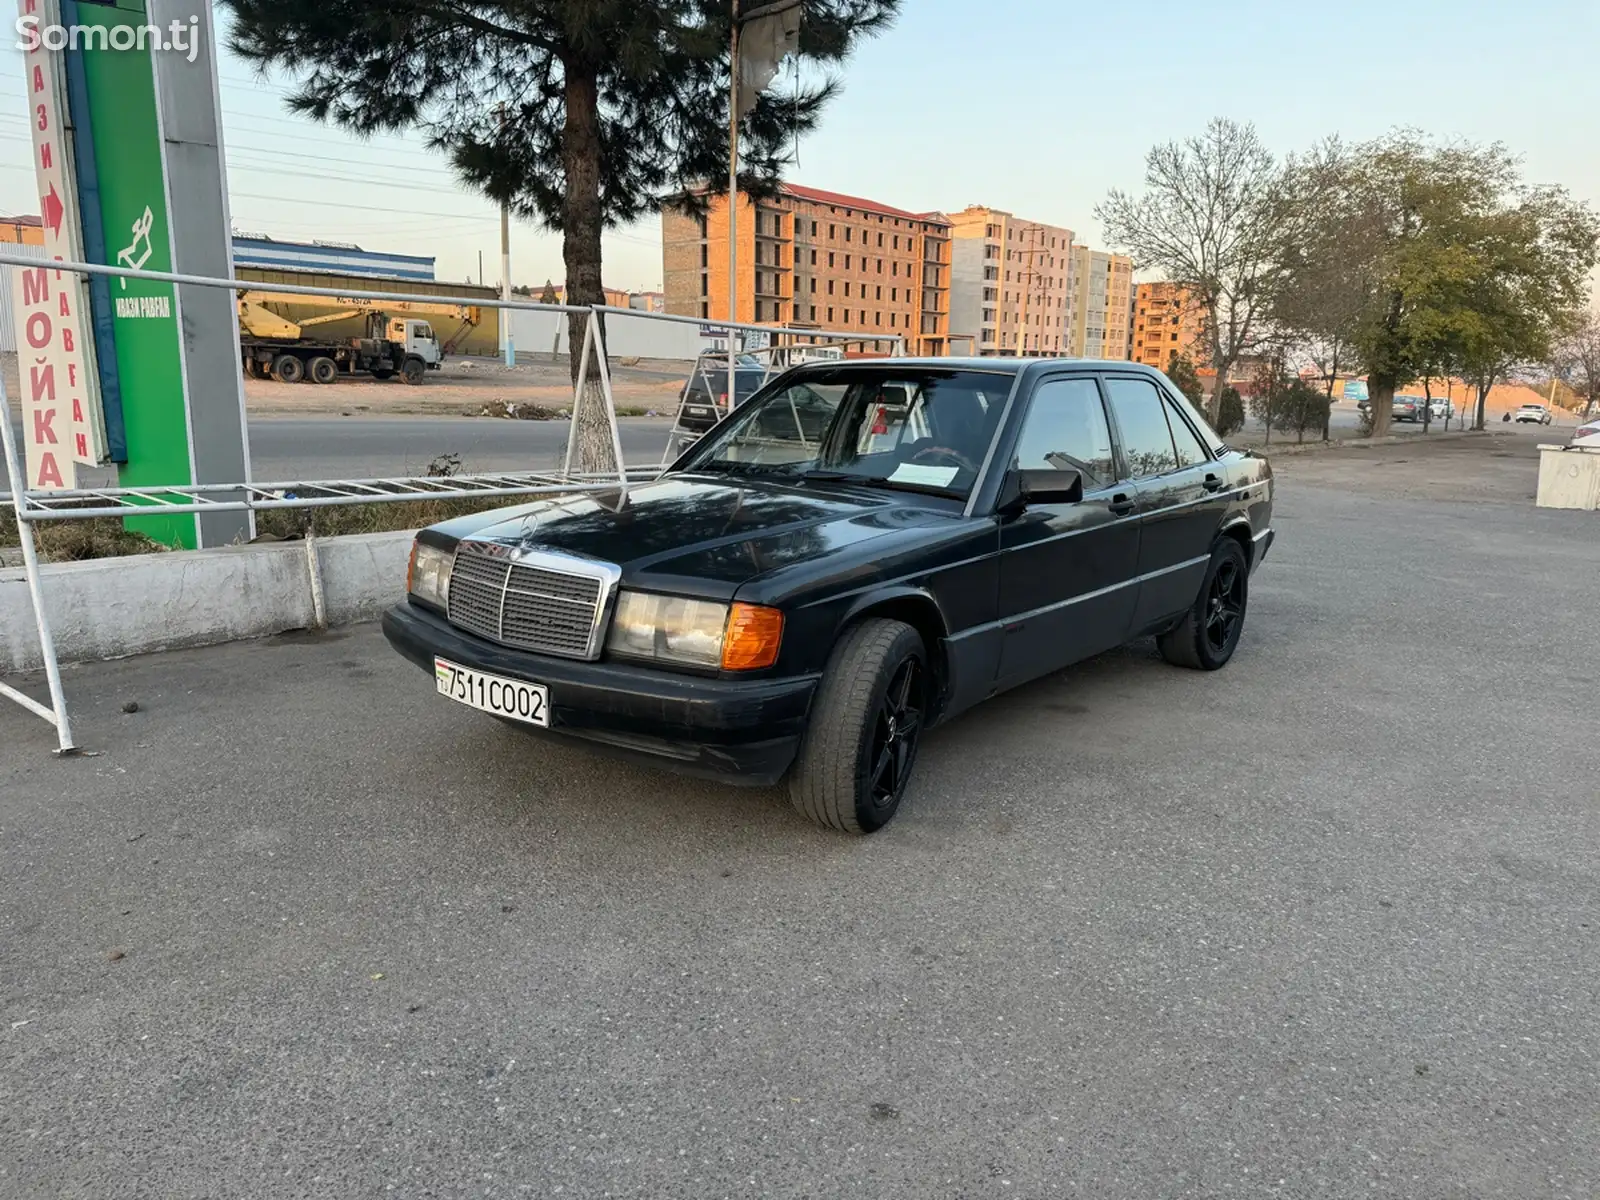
{"x":626,"y":336}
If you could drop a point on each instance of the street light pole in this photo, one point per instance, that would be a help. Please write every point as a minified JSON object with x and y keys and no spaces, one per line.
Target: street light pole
{"x":507,"y":341}
{"x":733,"y":199}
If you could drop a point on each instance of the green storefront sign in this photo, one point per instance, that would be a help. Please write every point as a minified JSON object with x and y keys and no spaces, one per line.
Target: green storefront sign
{"x":128,"y":153}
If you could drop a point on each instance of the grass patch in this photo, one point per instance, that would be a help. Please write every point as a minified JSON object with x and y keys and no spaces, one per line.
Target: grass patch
{"x":76,"y":541}
{"x":342,"y":519}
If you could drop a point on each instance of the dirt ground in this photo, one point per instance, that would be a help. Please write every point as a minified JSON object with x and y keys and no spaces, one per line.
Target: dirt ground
{"x":464,"y":386}
{"x":461,"y":387}
{"x":1501,"y":466}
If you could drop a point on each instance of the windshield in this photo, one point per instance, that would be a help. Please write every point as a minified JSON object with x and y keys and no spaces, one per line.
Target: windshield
{"x":425,"y":332}
{"x":922,"y":429}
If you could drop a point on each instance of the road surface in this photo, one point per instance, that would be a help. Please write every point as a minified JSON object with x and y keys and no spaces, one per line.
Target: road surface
{"x":1323,"y":924}
{"x":291,"y":448}
{"x":333,"y":447}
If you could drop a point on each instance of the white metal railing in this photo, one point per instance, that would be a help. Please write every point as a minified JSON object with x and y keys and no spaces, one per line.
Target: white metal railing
{"x":86,"y":503}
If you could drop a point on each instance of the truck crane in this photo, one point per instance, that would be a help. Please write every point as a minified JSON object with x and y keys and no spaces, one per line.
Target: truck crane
{"x":273,"y":346}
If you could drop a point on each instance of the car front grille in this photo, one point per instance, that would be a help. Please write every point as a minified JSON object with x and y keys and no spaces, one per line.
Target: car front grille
{"x":543,"y":608}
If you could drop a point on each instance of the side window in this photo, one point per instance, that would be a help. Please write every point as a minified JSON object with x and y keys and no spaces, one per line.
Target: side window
{"x":1190,"y":449}
{"x":1146,"y":439}
{"x":1066,"y":430}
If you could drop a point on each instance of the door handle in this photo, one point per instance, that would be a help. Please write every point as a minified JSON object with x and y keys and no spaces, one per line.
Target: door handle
{"x":1121,"y":505}
{"x":1213,"y":483}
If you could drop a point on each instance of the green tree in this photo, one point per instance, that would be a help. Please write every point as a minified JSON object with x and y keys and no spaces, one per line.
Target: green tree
{"x":578,"y":114}
{"x":1183,"y":376}
{"x":1230,"y":412}
{"x":548,"y":296}
{"x":1465,"y":264}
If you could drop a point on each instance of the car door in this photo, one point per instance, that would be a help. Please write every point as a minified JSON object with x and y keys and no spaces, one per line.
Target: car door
{"x":1067,"y":570}
{"x":1183,"y":496}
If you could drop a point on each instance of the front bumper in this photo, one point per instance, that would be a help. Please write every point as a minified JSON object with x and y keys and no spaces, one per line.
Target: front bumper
{"x":742,"y":731}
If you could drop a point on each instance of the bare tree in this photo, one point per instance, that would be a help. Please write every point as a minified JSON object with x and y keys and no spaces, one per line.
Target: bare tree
{"x":1577,"y":361}
{"x":1217,"y":215}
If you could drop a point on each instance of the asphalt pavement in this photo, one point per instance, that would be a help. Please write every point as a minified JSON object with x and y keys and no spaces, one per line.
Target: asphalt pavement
{"x":1326,"y":923}
{"x":332,"y":447}
{"x":363,"y":448}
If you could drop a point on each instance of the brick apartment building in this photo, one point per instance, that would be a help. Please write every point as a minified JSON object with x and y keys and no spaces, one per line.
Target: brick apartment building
{"x":1165,"y":320}
{"x":1102,"y":287}
{"x":1010,"y":290}
{"x":811,"y":259}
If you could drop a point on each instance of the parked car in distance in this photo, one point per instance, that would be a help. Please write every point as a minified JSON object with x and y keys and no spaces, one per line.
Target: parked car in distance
{"x":1442,"y":408}
{"x":1409,"y":408}
{"x":858,"y":553}
{"x":1587,"y":434}
{"x":1412,"y":408}
{"x":705,"y":396}
{"x":1536,"y":414}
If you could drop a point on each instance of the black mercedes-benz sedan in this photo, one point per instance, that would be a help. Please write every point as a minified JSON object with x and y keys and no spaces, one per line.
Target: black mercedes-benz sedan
{"x":861,"y":551}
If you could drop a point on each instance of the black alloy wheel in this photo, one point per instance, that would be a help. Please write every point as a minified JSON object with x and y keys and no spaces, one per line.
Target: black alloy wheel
{"x":1208,"y":634}
{"x":860,"y":745}
{"x":895,"y":736}
{"x":1225,"y":606}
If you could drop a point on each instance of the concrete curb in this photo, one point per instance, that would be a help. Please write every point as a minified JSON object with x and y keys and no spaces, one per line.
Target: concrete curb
{"x":114,"y":607}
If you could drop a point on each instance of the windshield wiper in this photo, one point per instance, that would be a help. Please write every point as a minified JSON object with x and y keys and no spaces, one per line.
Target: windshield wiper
{"x":877,"y":481}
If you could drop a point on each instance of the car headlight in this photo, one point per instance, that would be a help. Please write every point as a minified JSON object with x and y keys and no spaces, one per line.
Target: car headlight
{"x":695,"y":633}
{"x":428,"y":576}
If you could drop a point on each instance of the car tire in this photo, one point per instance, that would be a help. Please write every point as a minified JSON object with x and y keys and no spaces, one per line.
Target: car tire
{"x":322,"y":370}
{"x":1209,"y":632}
{"x":412,"y":371}
{"x":866,"y":723}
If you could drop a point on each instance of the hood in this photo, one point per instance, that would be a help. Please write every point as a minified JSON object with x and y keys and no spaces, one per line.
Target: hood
{"x":697,"y":535}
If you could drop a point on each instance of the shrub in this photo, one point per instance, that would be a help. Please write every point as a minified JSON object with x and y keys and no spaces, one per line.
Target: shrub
{"x":1230,"y":412}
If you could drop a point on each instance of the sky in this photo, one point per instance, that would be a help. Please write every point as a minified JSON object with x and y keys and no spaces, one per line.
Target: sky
{"x":1034,"y":106}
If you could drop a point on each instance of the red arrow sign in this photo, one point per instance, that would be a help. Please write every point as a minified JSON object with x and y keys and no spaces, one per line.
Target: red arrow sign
{"x":53,"y":210}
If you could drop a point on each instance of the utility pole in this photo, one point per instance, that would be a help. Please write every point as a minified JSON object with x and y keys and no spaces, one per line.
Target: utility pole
{"x":507,"y":340}
{"x":1026,"y":279}
{"x":733,"y":200}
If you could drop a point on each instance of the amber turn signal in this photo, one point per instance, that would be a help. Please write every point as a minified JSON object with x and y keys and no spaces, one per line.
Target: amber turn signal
{"x":752,"y":639}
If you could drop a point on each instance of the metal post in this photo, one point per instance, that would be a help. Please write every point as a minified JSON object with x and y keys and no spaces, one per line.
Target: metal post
{"x":611,"y":403}
{"x":319,"y":603}
{"x":733,"y":202}
{"x":577,"y":393}
{"x":30,"y":566}
{"x":507,"y":340}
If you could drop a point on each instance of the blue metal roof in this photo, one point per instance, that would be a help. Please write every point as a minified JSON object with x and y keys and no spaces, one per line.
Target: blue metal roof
{"x":270,"y":253}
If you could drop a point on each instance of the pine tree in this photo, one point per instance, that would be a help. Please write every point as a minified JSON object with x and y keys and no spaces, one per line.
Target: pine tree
{"x":578,"y":114}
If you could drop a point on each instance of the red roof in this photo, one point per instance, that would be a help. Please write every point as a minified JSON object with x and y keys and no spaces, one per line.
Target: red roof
{"x":30,"y":221}
{"x":843,"y":201}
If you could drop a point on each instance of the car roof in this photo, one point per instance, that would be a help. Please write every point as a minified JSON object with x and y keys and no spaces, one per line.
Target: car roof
{"x":1010,"y":366}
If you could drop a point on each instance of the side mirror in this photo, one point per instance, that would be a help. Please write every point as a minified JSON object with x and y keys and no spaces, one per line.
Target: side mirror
{"x":1020,"y":489}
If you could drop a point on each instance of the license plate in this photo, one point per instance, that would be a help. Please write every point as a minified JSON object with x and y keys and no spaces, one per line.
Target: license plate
{"x":514,"y":698}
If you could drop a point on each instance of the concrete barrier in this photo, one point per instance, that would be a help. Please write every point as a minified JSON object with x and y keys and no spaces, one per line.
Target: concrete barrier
{"x":113,"y":607}
{"x":1569,"y":477}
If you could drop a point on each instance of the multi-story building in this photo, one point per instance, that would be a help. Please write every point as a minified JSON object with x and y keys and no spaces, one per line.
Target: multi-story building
{"x":810,"y":259}
{"x":1166,"y":321}
{"x":22,"y":231}
{"x":1102,"y":284}
{"x":1010,"y":287}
